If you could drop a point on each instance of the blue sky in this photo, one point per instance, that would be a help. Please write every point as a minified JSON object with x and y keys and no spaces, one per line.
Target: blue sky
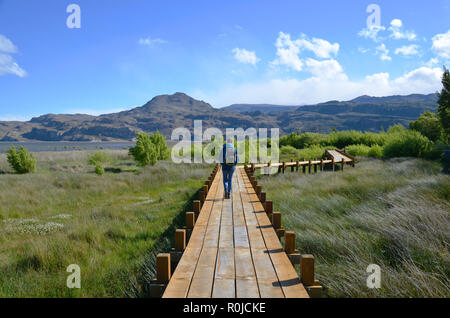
{"x":224,"y":52}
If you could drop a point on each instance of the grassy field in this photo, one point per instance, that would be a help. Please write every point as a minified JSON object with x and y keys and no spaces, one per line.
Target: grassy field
{"x":393,"y":213}
{"x":109,"y":225}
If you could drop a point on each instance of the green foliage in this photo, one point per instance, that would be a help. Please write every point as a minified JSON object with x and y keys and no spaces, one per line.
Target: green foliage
{"x":99,"y":169}
{"x":444,"y":103}
{"x":289,"y":150}
{"x":375,"y":151}
{"x":408,"y":143}
{"x":428,"y":125}
{"x":161,"y":147}
{"x":21,"y":160}
{"x":358,"y":150}
{"x":99,"y":157}
{"x":145,"y":152}
{"x":311,"y":153}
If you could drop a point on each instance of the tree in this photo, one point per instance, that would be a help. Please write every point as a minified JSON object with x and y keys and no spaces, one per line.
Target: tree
{"x":21,"y":160}
{"x":444,"y":103}
{"x":160,"y":142}
{"x":145,"y":152}
{"x":429,"y":125}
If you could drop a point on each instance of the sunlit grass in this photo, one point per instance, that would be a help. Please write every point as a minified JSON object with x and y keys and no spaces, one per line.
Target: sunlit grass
{"x":393,"y":213}
{"x":65,"y":214}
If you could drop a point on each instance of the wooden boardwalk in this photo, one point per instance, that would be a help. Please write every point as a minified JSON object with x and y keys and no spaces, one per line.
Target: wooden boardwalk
{"x":234,"y":250}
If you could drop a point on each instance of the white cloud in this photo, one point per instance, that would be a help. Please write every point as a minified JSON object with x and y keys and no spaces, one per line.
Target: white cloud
{"x":288,"y":50}
{"x":7,"y":64}
{"x":6,"y":45}
{"x":433,"y":61}
{"x":441,"y":44}
{"x":407,"y":50}
{"x":384,"y":52}
{"x":148,"y":41}
{"x":372,"y":32}
{"x":244,"y":56}
{"x":397,"y":32}
{"x":320,"y":87}
{"x":327,"y":69}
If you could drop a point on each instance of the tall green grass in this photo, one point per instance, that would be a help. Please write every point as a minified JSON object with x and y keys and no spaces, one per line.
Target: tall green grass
{"x":394,"y":213}
{"x":109,"y":225}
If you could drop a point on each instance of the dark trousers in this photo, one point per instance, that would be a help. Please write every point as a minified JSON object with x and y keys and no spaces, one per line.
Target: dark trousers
{"x":227,"y":177}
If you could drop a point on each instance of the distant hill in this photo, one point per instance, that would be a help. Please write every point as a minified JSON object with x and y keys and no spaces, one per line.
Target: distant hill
{"x":265,"y":108}
{"x":166,"y":112}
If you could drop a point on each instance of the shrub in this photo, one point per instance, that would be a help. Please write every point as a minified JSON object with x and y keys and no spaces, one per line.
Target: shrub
{"x":428,"y":125}
{"x":99,"y":169}
{"x":289,"y":150}
{"x":358,"y":150}
{"x":21,"y":160}
{"x":160,"y":142}
{"x":407,"y":144}
{"x":375,"y":151}
{"x":145,"y":152}
{"x":313,"y":152}
{"x":99,"y":157}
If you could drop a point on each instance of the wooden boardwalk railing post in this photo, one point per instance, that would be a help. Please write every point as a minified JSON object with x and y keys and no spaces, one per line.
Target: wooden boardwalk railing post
{"x":197,"y":208}
{"x":307,"y":276}
{"x":289,"y":247}
{"x":202,"y":197}
{"x":297,"y":165}
{"x":263,"y":197}
{"x":276,"y":222}
{"x":292,"y":167}
{"x":163,"y":272}
{"x":268,"y":206}
{"x":315,"y":166}
{"x":190,"y":220}
{"x":309,"y":166}
{"x":343,"y":163}
{"x":332,"y":165}
{"x":304,"y":167}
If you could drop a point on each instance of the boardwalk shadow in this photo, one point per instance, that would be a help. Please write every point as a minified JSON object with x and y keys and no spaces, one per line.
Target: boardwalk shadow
{"x":287,"y":283}
{"x":278,"y":250}
{"x":264,"y":226}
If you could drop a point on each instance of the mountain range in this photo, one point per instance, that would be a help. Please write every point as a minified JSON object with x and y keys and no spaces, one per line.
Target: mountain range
{"x":166,"y":112}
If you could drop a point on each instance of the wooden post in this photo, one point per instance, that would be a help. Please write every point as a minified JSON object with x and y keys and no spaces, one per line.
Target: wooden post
{"x":202,"y":197}
{"x":292,"y":167}
{"x":315,"y":166}
{"x":284,"y":166}
{"x":263,"y":197}
{"x":180,"y":240}
{"x":304,"y":168}
{"x":268,"y":207}
{"x":343,"y":163}
{"x":253,"y":167}
{"x":190,"y":220}
{"x":289,"y":242}
{"x":309,"y":166}
{"x":307,"y":269}
{"x":205,"y":189}
{"x":258,"y":191}
{"x":321,"y":164}
{"x":196,"y":204}
{"x":209,"y":182}
{"x":332,"y":164}
{"x":276,"y":220}
{"x":163,"y":268}
{"x":297,"y":165}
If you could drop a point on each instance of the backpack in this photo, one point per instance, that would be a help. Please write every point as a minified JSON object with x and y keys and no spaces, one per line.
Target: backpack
{"x":229,"y":155}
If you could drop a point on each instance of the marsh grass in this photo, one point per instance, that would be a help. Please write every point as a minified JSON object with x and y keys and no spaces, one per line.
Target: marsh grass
{"x":393,"y":213}
{"x":109,"y":225}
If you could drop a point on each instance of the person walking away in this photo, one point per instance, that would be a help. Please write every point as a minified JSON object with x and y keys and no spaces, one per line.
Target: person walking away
{"x":229,"y":159}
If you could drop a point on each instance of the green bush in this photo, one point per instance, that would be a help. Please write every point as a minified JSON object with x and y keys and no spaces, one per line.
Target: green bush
{"x":161,"y":147}
{"x":408,"y":143}
{"x":289,"y":150}
{"x":99,"y":157}
{"x":99,"y":169}
{"x":358,"y":150}
{"x":21,"y":160}
{"x":428,"y":125}
{"x":313,"y":152}
{"x":145,"y":152}
{"x":375,"y":151}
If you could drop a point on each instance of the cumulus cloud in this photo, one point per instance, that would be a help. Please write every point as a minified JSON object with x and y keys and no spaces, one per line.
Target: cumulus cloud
{"x":288,"y":50}
{"x":321,"y":87}
{"x":441,"y":44}
{"x":245,"y":56}
{"x":148,"y":41}
{"x":327,"y":69}
{"x":407,"y":50}
{"x":397,"y":32}
{"x":383,"y":52}
{"x":372,"y":32}
{"x":7,"y":64}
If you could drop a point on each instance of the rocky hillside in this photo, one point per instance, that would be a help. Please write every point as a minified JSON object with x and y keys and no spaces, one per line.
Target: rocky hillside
{"x":166,"y":112}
